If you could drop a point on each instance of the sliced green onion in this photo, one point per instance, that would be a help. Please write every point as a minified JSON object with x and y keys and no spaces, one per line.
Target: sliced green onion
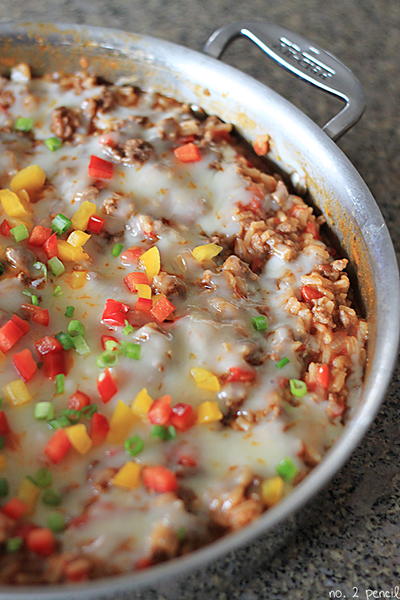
{"x":69,"y":311}
{"x":117,"y":249}
{"x":128,"y":328}
{"x":171,"y":432}
{"x":2,"y":268}
{"x":108,"y":358}
{"x":72,"y":414}
{"x":81,"y":345}
{"x":42,"y":478}
{"x":2,"y":442}
{"x":297,"y":388}
{"x":181,"y":533}
{"x":34,"y":299}
{"x":282,"y":363}
{"x":60,"y":422}
{"x":163,"y":433}
{"x":3,"y":487}
{"x":134,"y":445}
{"x":111,"y":345}
{"x":53,"y":143}
{"x":75,"y":327}
{"x":14,"y":544}
{"x":56,"y":266}
{"x":60,"y":381}
{"x":65,"y":340}
{"x":20,"y":232}
{"x":260,"y":323}
{"x":60,"y":224}
{"x":131,"y":350}
{"x":44,"y":411}
{"x":57,"y":291}
{"x":286,"y":469}
{"x":41,"y":267}
{"x":56,"y":522}
{"x":23,"y":124}
{"x":88,"y":411}
{"x":51,"y":498}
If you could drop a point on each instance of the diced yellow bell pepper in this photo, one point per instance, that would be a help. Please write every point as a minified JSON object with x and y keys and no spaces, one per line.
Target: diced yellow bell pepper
{"x":206,"y":252}
{"x":12,"y":205}
{"x":31,"y":179}
{"x":121,"y":423}
{"x":78,"y":238}
{"x":28,"y":492}
{"x":70,"y":253}
{"x":81,"y":216}
{"x":141,"y":404}
{"x":143,"y":290}
{"x":208,"y":412}
{"x":3,"y":462}
{"x":79,"y":438}
{"x":205,"y":380}
{"x":151,"y":262}
{"x":77,"y":279}
{"x":25,"y":199}
{"x":17,"y":393}
{"x":272,"y":490}
{"x":128,"y":476}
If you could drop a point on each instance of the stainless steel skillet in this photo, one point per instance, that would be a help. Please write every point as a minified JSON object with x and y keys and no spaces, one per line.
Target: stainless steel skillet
{"x":300,"y":148}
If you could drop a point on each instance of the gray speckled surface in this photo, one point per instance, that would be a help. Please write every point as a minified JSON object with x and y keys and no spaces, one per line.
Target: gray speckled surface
{"x":350,"y":536}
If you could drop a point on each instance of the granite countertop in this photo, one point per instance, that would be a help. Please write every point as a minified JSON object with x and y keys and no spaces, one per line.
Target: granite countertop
{"x":351,"y":535}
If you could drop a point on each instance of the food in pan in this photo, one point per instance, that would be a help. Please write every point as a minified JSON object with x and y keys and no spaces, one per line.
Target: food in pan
{"x":178,"y":343}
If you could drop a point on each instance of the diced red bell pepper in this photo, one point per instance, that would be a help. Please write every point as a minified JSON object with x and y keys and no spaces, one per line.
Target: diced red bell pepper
{"x":21,"y":323}
{"x":24,"y":363}
{"x":310,"y":293}
{"x":107,"y":338}
{"x":39,"y":235}
{"x":160,"y":411}
{"x":38,"y":315}
{"x":186,"y":460}
{"x":95,"y":224}
{"x":162,"y":309}
{"x":239,"y":374}
{"x":133,"y":278}
{"x":57,"y":447}
{"x":54,"y":364}
{"x":159,"y":479}
{"x":41,"y":541}
{"x":312,"y":228}
{"x":5,"y":228}
{"x":15,"y":508}
{"x":100,"y":168}
{"x":323,"y":376}
{"x":143,"y":305}
{"x":50,"y":246}
{"x":131,"y":256}
{"x":10,"y":334}
{"x":4,"y":426}
{"x":77,"y":570}
{"x":47,"y":345}
{"x":183,"y":416}
{"x":143,"y":563}
{"x":114,"y":313}
{"x":188,"y":153}
{"x":78,"y":400}
{"x":106,"y":386}
{"x":99,"y":427}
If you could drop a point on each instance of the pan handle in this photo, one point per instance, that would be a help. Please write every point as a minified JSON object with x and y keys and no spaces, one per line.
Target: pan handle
{"x":305,"y":60}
